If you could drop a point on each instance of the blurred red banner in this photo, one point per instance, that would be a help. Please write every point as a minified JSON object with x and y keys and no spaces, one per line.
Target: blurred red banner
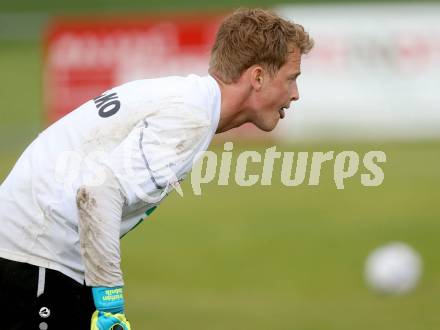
{"x":85,"y":57}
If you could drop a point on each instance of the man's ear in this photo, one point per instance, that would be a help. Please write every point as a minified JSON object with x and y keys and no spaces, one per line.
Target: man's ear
{"x":256,"y":76}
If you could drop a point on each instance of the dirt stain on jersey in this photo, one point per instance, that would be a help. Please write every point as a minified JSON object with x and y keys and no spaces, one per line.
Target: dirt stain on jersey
{"x":100,"y":257}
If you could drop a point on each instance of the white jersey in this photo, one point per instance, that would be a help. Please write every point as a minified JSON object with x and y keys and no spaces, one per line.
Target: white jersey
{"x":147,"y":133}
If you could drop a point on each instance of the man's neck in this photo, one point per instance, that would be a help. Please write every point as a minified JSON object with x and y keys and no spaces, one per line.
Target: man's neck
{"x":233,"y":111}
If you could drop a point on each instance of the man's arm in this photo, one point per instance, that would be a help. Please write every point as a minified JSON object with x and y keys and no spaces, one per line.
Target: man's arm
{"x":100,"y":210}
{"x":142,"y":169}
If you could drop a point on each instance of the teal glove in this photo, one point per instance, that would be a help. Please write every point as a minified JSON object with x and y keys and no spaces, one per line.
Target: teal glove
{"x":109,"y":313}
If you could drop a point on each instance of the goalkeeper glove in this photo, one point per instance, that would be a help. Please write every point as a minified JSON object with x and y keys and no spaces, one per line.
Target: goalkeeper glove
{"x":109,"y":314}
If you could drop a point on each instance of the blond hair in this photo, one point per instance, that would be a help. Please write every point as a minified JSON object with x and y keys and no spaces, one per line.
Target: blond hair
{"x":255,"y":36}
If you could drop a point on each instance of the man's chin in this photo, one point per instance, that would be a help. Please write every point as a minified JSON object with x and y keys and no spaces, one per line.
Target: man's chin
{"x":267,"y":127}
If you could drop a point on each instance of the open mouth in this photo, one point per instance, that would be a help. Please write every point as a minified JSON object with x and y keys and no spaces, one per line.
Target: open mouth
{"x":282,"y":112}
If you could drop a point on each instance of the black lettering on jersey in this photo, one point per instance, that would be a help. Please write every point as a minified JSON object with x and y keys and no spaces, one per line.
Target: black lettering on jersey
{"x":107,"y":104}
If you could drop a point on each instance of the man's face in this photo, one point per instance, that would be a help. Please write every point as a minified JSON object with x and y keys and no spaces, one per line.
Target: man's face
{"x":277,"y":92}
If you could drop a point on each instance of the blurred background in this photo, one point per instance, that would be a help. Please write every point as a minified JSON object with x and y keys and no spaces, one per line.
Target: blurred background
{"x":260,"y":257}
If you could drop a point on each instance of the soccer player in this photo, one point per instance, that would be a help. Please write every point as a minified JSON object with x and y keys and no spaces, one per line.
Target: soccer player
{"x":92,"y":176}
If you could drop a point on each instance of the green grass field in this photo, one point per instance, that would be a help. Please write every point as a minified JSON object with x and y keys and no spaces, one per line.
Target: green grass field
{"x":270,"y":257}
{"x":288,"y":257}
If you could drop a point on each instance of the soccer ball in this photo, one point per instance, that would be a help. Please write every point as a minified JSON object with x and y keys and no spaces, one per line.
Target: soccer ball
{"x":394,"y":268}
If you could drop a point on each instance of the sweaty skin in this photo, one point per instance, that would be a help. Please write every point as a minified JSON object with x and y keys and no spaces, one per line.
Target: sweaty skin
{"x":100,"y":209}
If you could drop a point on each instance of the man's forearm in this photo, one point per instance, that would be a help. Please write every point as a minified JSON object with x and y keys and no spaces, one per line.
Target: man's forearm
{"x":100,"y":210}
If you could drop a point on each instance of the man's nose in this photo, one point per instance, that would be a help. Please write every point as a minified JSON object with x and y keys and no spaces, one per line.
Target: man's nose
{"x":294,"y":96}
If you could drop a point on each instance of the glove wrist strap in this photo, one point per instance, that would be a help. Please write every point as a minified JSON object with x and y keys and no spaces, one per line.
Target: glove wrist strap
{"x":109,"y":300}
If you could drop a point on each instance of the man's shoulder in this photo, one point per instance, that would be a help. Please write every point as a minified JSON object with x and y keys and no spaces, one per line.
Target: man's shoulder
{"x":174,"y":100}
{"x":193,"y":89}
{"x":203,"y":93}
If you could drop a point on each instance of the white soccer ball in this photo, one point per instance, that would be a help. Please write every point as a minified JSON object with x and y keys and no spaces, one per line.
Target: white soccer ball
{"x":394,"y":268}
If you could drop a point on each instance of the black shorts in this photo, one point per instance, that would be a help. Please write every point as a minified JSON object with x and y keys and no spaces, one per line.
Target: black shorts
{"x":33,"y":297}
